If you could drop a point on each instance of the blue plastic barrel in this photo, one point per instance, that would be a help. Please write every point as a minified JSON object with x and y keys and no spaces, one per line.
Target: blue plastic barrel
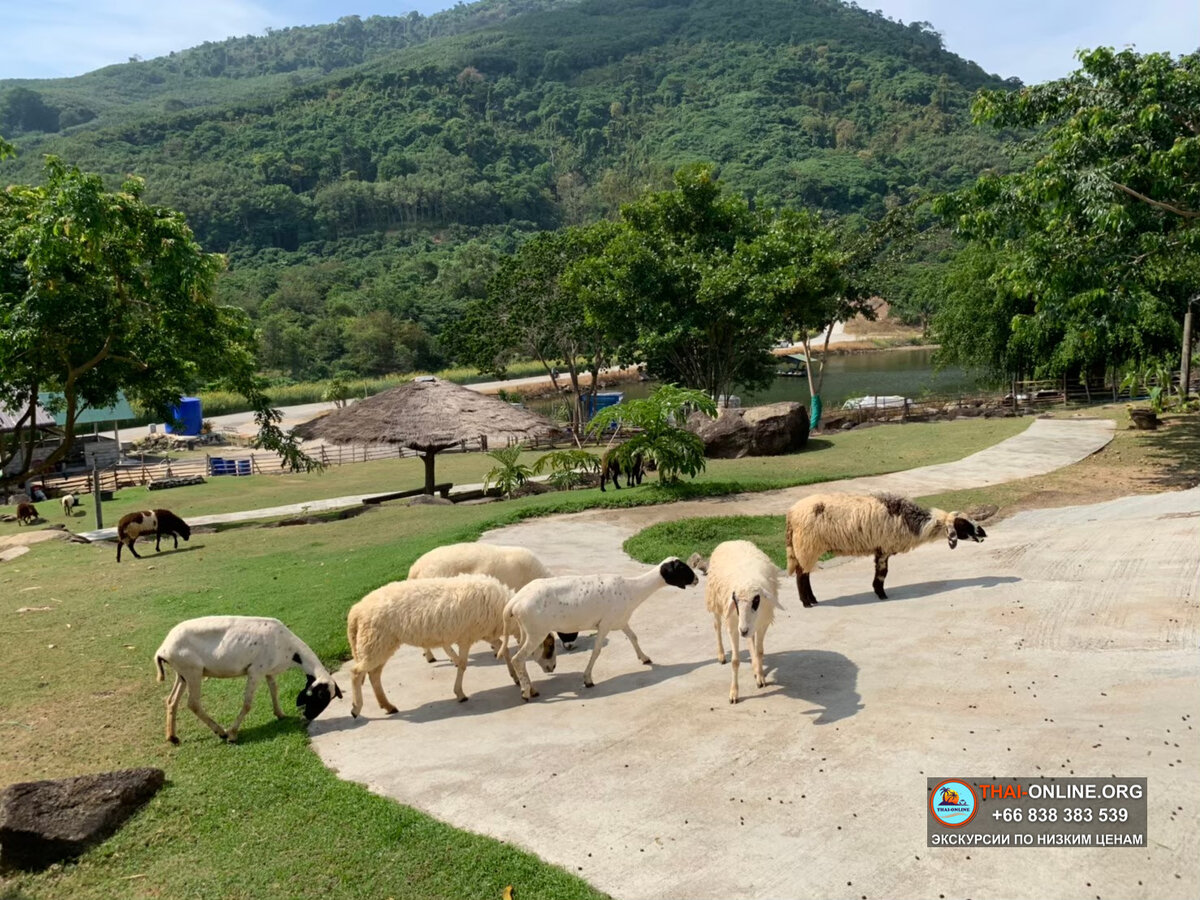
{"x":243,"y":467}
{"x":189,"y":415}
{"x":216,"y":466}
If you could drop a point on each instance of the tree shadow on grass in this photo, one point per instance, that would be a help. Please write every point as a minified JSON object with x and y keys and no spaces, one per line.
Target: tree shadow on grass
{"x":1177,"y":450}
{"x":921,"y":589}
{"x":823,"y":678}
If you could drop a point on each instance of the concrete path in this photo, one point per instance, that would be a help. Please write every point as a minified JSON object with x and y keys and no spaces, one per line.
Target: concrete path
{"x":1065,"y":644}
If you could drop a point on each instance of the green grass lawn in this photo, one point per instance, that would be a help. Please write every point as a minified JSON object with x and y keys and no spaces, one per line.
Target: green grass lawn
{"x":264,"y":818}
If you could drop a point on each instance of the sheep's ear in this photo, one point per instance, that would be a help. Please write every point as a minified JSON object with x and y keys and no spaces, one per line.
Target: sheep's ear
{"x":337,"y":691}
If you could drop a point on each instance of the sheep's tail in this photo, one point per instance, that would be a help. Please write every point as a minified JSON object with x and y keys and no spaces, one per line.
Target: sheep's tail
{"x":352,"y":633}
{"x":505,"y":620}
{"x":791,"y":552}
{"x":158,"y":662}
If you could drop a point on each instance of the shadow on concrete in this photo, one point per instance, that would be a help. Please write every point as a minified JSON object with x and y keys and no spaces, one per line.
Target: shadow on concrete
{"x":821,"y":677}
{"x":560,"y":687}
{"x":921,"y":589}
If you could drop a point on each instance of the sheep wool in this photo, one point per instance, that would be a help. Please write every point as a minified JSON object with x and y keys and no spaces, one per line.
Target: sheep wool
{"x":740,"y":592}
{"x":426,"y":612}
{"x":879,"y":525}
{"x":512,"y":566}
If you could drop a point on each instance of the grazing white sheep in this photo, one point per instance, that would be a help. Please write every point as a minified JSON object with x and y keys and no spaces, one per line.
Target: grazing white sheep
{"x":69,"y":502}
{"x":740,"y":592}
{"x":601,"y":603}
{"x":426,"y":612}
{"x":512,"y":566}
{"x":233,"y":647}
{"x":879,"y":525}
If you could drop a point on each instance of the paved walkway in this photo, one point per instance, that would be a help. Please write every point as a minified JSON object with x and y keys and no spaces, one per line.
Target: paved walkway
{"x":1065,"y":644}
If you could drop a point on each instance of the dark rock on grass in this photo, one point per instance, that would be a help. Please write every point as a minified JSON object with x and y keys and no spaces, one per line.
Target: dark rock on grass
{"x":755,"y":431}
{"x":44,"y":822}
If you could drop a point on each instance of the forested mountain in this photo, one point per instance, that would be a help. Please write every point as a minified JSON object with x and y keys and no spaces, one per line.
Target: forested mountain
{"x":364,"y":176}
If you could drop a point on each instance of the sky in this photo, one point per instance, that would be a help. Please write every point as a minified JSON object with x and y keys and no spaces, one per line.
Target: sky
{"x":1034,"y":40}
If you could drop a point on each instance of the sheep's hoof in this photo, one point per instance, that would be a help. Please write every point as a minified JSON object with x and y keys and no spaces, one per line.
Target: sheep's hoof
{"x":174,"y":740}
{"x":762,"y":682}
{"x":647,"y":661}
{"x":722,"y":660}
{"x":390,"y":710}
{"x":231,"y":737}
{"x":733,"y":698}
{"x":354,"y":713}
{"x":589,"y":684}
{"x":462,"y":699}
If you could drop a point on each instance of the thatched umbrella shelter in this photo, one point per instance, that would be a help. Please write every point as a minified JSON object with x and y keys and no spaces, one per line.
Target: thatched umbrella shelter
{"x":428,"y":415}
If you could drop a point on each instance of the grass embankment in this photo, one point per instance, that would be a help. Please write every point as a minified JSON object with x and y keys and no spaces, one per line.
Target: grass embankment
{"x":1134,"y":462}
{"x":264,"y":818}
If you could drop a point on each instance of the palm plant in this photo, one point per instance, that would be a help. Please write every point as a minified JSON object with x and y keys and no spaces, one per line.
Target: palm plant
{"x":510,"y":474}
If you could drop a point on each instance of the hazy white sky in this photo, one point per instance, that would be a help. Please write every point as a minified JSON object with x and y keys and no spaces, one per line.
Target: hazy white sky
{"x":1034,"y":40}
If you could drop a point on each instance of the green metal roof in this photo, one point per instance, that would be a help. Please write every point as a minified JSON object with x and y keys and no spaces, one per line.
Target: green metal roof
{"x":118,"y":412}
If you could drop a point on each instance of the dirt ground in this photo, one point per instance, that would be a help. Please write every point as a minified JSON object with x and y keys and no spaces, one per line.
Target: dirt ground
{"x":1135,"y":462}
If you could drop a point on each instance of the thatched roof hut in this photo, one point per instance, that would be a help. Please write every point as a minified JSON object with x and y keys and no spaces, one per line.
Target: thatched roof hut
{"x":428,"y":415}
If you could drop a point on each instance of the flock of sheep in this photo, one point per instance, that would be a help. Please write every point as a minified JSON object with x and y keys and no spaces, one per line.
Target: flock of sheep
{"x":458,"y":595}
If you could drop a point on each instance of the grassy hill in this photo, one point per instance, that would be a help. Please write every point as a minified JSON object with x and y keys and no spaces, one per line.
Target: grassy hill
{"x":364,"y":176}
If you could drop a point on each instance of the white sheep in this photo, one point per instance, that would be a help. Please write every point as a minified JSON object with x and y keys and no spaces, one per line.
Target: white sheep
{"x":740,"y":592}
{"x":881,"y":525}
{"x":426,"y":612}
{"x":69,"y":502}
{"x":236,"y":646}
{"x":601,"y":603}
{"x":511,"y":566}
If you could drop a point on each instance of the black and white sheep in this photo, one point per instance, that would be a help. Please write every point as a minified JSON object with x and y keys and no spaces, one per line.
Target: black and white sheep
{"x":426,"y":612}
{"x":27,"y":514}
{"x":233,"y":647}
{"x":150,"y":521}
{"x":879,"y":525}
{"x":613,"y":462}
{"x":602,"y":603}
{"x":740,"y":592}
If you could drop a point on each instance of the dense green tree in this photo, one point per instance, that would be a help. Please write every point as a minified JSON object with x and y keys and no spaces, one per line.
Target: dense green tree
{"x":1093,"y":248}
{"x":539,"y":306}
{"x":672,"y":286}
{"x":100,"y":293}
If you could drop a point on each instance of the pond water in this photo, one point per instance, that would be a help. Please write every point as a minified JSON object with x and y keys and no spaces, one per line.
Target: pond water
{"x":908,"y":373}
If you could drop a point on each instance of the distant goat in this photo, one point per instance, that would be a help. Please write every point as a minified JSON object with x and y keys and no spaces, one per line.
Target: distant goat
{"x":150,"y":521}
{"x":613,"y":462}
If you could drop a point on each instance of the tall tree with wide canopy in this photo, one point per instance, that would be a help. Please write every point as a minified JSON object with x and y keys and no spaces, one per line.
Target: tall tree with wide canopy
{"x":672,"y":287}
{"x":102,"y":293}
{"x":537,"y":306}
{"x":1094,"y":247}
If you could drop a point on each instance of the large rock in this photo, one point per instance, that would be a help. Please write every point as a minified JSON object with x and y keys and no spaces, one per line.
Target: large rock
{"x":756,"y":431}
{"x":44,"y":822}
